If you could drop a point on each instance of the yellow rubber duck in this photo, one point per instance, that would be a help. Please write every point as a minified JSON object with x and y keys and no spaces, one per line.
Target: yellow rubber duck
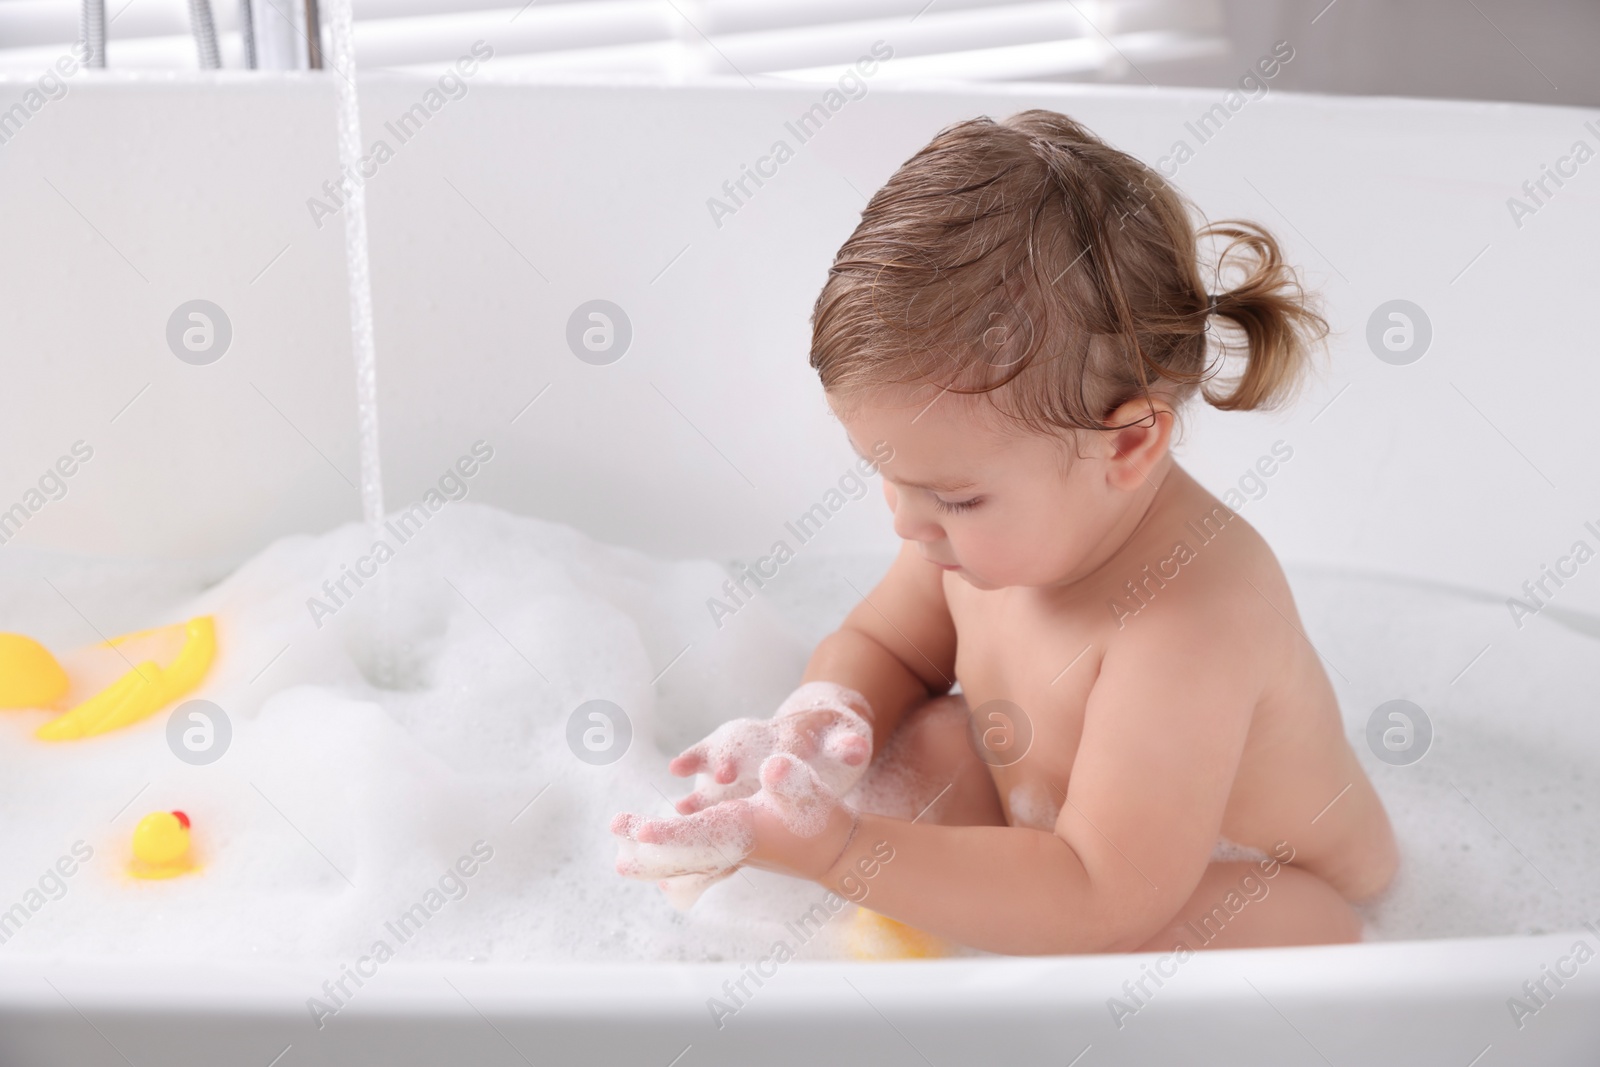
{"x":30,"y":677}
{"x":161,"y":846}
{"x":878,"y":937}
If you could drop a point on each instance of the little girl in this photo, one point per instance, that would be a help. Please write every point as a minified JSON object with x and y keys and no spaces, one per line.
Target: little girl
{"x":1145,"y":753}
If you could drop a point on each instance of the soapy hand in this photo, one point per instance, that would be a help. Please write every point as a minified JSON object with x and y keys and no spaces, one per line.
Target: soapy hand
{"x":792,"y":823}
{"x":818,"y":723}
{"x":766,"y":790}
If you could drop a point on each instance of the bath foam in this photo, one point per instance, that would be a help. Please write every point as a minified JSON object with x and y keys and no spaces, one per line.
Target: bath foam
{"x":330,"y":777}
{"x":340,"y":804}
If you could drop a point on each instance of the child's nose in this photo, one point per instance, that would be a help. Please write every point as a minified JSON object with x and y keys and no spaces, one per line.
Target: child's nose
{"x":909,"y":525}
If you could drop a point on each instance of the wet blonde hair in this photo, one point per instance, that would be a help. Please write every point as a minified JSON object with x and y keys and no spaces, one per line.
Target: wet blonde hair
{"x":1030,"y":261}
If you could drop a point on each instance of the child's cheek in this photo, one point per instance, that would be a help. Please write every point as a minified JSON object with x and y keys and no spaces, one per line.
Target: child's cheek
{"x":985,"y":551}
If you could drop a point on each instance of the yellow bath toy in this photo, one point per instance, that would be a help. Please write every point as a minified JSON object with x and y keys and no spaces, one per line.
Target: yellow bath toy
{"x":30,"y":677}
{"x":145,"y":689}
{"x":878,"y":937}
{"x":161,"y":845}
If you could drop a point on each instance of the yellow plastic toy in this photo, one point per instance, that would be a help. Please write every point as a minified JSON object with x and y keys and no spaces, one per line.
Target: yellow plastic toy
{"x":31,"y":678}
{"x":161,"y":845}
{"x":878,"y":937}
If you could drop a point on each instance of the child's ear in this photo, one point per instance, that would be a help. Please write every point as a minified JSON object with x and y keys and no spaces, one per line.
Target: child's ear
{"x":1142,"y":441}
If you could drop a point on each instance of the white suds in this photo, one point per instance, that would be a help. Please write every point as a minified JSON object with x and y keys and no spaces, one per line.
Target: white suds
{"x":690,"y":853}
{"x":816,"y":721}
{"x":709,"y":842}
{"x":331,"y":777}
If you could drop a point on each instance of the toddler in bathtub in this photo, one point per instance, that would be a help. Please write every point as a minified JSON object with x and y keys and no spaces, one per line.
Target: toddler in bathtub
{"x":1142,"y":726}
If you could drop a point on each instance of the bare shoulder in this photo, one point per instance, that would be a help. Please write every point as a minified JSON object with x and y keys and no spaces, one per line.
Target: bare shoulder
{"x":1201,"y":578}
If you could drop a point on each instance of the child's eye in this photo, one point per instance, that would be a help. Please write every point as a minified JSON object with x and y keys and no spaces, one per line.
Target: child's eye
{"x":956,"y":505}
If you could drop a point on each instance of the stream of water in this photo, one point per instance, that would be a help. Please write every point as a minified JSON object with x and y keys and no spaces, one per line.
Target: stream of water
{"x":357,"y":265}
{"x":341,"y":26}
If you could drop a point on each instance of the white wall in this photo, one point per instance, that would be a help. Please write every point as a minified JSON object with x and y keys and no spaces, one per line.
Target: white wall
{"x":1534,"y":51}
{"x":711,"y":431}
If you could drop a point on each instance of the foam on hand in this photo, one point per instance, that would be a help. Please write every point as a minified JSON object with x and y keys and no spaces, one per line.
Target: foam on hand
{"x":709,"y":842}
{"x":817,"y":727}
{"x":817,"y":722}
{"x":794,"y":791}
{"x":688,"y":854}
{"x":844,"y":748}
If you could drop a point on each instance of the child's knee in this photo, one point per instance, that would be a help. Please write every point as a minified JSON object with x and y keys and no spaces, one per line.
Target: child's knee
{"x":929,"y":770}
{"x":934,"y":736}
{"x":1234,"y":907}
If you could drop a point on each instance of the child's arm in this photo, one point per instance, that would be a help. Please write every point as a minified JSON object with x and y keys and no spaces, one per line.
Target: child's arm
{"x":1163,"y":734}
{"x":895,"y":649}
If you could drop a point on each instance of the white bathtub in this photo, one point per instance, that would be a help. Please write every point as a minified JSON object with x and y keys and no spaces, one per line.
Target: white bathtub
{"x":515,"y":204}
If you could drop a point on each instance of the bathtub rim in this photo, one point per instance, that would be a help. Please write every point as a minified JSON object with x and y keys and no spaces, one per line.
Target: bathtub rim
{"x":1436,"y":970}
{"x":144,"y":77}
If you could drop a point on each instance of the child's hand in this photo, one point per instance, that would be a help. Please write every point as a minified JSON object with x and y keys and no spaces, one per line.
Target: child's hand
{"x":793,"y":823}
{"x":816,"y":724}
